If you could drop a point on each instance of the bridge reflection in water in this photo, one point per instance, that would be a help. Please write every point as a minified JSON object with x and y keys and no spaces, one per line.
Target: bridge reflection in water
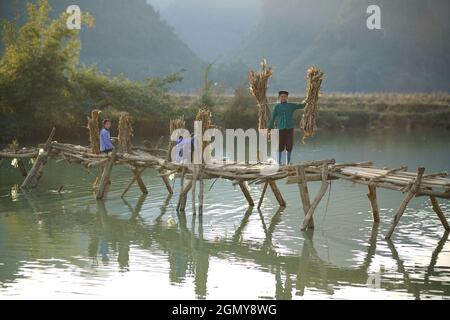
{"x":189,"y":253}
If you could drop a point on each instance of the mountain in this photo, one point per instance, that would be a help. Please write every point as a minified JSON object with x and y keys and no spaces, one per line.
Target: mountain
{"x":411,"y":52}
{"x":130,"y":38}
{"x":211,"y":28}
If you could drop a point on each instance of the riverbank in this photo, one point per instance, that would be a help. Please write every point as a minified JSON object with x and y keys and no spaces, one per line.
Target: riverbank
{"x":343,"y":111}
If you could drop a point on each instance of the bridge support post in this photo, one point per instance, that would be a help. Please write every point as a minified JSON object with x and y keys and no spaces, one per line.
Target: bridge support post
{"x":36,"y":171}
{"x":319,"y":196}
{"x":167,"y":184}
{"x":439,"y":213}
{"x":304,"y":193}
{"x":183,"y":197}
{"x":277,"y":193}
{"x":136,"y":177}
{"x":372,"y":195}
{"x":411,"y":193}
{"x":246,"y":192}
{"x":104,"y":180}
{"x":266,"y":183}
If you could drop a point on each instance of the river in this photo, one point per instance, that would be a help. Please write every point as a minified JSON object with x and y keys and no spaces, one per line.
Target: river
{"x":69,"y":246}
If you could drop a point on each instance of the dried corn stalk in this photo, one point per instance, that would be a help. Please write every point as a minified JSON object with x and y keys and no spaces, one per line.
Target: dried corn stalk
{"x":94,"y":131}
{"x":314,"y":79}
{"x":125,"y":133}
{"x":258,"y":88}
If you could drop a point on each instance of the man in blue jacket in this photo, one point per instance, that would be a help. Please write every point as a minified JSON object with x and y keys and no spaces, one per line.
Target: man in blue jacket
{"x":105,"y":137}
{"x":282,"y":115}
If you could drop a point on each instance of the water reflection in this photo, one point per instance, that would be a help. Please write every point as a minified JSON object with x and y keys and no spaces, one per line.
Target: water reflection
{"x":189,"y":254}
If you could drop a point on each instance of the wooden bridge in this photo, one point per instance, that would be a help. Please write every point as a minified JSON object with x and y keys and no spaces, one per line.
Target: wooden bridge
{"x":139,"y":158}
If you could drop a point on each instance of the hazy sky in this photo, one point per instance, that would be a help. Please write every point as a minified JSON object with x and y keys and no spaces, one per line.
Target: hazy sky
{"x":211,"y":28}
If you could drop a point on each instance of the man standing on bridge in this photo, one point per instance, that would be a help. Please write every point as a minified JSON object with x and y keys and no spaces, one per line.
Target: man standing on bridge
{"x":282,"y":115}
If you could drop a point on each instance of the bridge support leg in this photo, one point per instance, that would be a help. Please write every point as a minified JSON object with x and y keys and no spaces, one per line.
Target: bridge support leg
{"x":201,"y":194}
{"x":304,"y":193}
{"x":183,"y":197}
{"x":277,"y":193}
{"x":439,"y":212}
{"x":36,"y":171}
{"x":140,"y":182}
{"x":167,"y":184}
{"x":136,"y":177}
{"x":246,"y":192}
{"x":262,"y":194}
{"x":104,"y":180}
{"x":319,"y":196}
{"x":411,"y":193}
{"x":372,"y":195}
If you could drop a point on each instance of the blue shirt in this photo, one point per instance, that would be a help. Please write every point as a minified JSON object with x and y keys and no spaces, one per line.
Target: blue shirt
{"x":282,"y":114}
{"x":181,"y":144}
{"x":105,"y":140}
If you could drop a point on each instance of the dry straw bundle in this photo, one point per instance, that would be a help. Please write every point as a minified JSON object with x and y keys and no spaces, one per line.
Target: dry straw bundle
{"x":314,"y":79}
{"x":125,"y":133}
{"x":258,"y":88}
{"x":204,"y":115}
{"x":175,"y":124}
{"x":94,"y":132}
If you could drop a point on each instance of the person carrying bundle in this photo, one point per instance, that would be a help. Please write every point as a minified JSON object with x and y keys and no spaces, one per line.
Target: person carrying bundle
{"x":282,"y":115}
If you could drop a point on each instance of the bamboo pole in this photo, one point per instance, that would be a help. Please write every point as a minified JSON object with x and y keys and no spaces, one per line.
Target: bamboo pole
{"x":372,"y":195}
{"x":104,"y":180}
{"x":304,"y":193}
{"x":277,"y":193}
{"x":439,"y":213}
{"x":319,"y":196}
{"x":266,"y":183}
{"x":36,"y":171}
{"x":244,"y":188}
{"x":405,"y":201}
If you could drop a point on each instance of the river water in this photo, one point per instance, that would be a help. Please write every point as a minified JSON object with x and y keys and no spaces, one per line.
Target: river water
{"x":69,"y":245}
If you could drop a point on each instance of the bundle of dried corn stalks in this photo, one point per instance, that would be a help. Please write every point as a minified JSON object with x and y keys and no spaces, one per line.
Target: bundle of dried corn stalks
{"x":174,"y":124}
{"x":94,"y":132}
{"x":258,"y":88}
{"x":204,"y":115}
{"x":314,"y":79}
{"x":125,"y":133}
{"x":178,"y":123}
